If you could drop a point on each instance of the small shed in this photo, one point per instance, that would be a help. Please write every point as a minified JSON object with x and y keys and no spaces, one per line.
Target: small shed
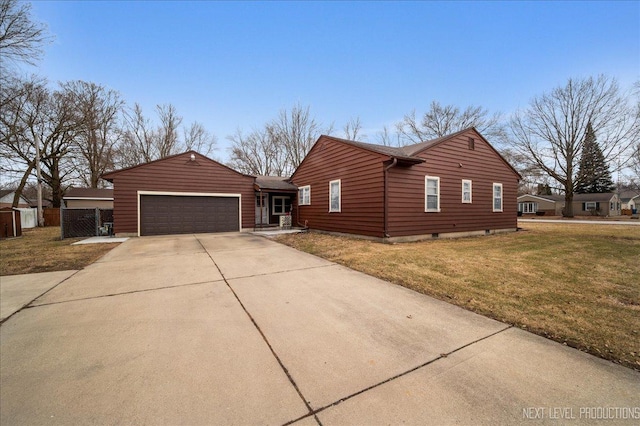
{"x":10,"y":225}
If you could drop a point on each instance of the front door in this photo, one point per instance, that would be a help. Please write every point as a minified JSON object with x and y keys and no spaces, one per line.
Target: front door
{"x":262,"y":210}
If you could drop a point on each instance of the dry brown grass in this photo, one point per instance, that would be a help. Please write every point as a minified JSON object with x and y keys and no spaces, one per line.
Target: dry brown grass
{"x":42,"y":250}
{"x":576,"y":284}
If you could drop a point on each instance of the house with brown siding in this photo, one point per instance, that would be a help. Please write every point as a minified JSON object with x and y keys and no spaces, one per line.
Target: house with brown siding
{"x":184,"y":193}
{"x":451,"y":186}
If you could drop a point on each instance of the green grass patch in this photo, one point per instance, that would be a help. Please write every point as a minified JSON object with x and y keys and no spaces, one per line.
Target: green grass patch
{"x":42,"y":250}
{"x":578,"y":284}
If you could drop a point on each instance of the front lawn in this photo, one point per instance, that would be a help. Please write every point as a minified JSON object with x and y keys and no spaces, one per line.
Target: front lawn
{"x":576,"y":284}
{"x":42,"y":250}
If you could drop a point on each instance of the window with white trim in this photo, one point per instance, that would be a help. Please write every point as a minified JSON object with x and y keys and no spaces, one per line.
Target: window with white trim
{"x":431,"y":194}
{"x":590,"y":205}
{"x":466,"y":191}
{"x":280,"y":205}
{"x":497,"y":197}
{"x":528,"y":207}
{"x":334,"y":196}
{"x":304,"y":195}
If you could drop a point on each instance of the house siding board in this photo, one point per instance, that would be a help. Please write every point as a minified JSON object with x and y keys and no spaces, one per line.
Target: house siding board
{"x":362,"y":188}
{"x":482,"y":166}
{"x":178,"y":174}
{"x":89,"y":204}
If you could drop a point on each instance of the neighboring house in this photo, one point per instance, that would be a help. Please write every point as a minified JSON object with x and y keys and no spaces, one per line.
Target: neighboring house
{"x":629,"y":198}
{"x":606,"y":204}
{"x":275,"y":197}
{"x":183,"y":193}
{"x":88,"y":198}
{"x":6,"y":199}
{"x":551,"y":205}
{"x":634,"y":204}
{"x":46,"y":204}
{"x":454,"y":185}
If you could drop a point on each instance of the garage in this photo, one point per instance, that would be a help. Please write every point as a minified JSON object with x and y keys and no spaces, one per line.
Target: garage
{"x":176,"y":214}
{"x":181,"y":194}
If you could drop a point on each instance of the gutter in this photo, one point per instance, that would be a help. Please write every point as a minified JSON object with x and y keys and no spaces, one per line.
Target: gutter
{"x":386,"y":196}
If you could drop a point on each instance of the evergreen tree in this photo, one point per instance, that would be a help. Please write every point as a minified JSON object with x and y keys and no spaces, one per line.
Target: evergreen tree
{"x":593,"y":172}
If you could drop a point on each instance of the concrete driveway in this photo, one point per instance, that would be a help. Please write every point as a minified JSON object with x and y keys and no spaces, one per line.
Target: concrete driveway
{"x":237,"y":329}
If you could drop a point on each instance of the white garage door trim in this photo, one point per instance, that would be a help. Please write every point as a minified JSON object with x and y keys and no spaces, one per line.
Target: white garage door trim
{"x":193,"y":194}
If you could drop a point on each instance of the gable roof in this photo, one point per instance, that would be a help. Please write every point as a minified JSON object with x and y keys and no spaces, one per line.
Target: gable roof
{"x":629,"y":194}
{"x":409,"y":153}
{"x":88,"y":194}
{"x":389,"y":151}
{"x":551,"y":198}
{"x":7,"y":192}
{"x":576,"y":197}
{"x":594,"y":197}
{"x":110,"y":175}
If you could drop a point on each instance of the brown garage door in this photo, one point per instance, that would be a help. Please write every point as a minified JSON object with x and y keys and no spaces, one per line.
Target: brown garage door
{"x":168,"y":214}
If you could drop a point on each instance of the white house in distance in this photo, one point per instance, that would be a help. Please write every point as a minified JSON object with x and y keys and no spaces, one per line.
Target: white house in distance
{"x":630,"y":199}
{"x":6,"y":199}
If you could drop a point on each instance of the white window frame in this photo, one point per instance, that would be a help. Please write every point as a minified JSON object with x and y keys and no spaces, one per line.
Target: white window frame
{"x":528,"y":207}
{"x":470,"y":200}
{"x":426,"y":196}
{"x":331,"y":208}
{"x":594,"y":206}
{"x":304,"y":195}
{"x":494,"y":198}
{"x":273,"y":205}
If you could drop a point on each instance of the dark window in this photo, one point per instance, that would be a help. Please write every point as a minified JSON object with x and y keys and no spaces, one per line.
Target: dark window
{"x":472,"y":143}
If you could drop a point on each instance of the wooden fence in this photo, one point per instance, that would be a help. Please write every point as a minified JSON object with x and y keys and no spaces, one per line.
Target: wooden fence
{"x":51,"y":216}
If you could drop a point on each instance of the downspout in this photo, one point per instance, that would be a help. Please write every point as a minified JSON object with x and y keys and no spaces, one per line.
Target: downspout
{"x":386,"y":196}
{"x":261,"y":206}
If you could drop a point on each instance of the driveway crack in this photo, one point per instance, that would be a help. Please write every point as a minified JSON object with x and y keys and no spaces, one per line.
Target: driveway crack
{"x":404,"y":373}
{"x":312,"y":412}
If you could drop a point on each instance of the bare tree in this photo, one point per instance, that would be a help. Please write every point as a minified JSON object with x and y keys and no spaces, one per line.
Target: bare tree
{"x":167,"y":132}
{"x":279,"y":147}
{"x":138,"y":139}
{"x":551,"y":131}
{"x":387,"y":138}
{"x":21,"y":39}
{"x":442,"y":120}
{"x":32,"y":114}
{"x":296,"y":131}
{"x":258,"y":153}
{"x":198,"y":139}
{"x":141,"y":142}
{"x":352,"y":130}
{"x":97,"y":111}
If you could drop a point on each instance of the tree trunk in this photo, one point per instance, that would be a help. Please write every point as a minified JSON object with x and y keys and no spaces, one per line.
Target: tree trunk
{"x":568,"y":205}
{"x":23,"y":182}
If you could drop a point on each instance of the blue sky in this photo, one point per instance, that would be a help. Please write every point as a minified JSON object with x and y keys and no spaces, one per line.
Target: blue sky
{"x":234,"y":65}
